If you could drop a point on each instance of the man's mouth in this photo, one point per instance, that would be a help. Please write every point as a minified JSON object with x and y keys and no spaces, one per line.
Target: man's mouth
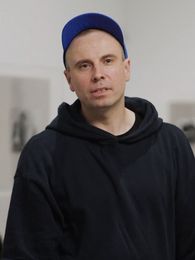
{"x":99,"y":90}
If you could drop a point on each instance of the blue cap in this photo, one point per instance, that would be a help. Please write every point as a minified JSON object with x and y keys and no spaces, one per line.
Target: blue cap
{"x":87,"y":21}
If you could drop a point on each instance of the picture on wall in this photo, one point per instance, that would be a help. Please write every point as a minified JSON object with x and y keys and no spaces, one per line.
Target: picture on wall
{"x":29,"y":108}
{"x":182,"y":114}
{"x":23,"y":127}
{"x":24,"y":112}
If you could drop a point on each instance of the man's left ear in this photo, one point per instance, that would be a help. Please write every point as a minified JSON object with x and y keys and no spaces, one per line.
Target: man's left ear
{"x":127,"y":64}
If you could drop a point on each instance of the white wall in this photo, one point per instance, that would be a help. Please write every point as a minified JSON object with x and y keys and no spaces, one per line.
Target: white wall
{"x":31,"y":29}
{"x":160,"y":38}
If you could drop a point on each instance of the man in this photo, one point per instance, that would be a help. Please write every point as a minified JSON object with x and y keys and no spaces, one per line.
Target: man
{"x":107,"y":179}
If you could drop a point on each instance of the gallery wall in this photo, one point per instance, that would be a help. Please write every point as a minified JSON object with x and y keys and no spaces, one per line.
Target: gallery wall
{"x":161,"y":42}
{"x":160,"y":39}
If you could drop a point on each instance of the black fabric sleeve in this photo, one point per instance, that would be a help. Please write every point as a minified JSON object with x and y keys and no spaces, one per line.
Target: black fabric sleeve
{"x":36,"y":228}
{"x":185,"y":201}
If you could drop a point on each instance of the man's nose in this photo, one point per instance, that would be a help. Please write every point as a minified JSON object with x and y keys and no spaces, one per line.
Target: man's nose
{"x":97,"y":73}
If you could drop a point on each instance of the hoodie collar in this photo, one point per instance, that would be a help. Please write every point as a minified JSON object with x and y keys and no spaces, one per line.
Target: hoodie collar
{"x":71,"y":122}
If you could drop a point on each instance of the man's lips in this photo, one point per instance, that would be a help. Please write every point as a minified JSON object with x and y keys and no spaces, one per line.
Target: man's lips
{"x":100,"y":90}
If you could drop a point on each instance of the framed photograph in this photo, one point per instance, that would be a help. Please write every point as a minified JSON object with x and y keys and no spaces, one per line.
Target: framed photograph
{"x":24,"y":111}
{"x":182,"y":114}
{"x":29,"y":108}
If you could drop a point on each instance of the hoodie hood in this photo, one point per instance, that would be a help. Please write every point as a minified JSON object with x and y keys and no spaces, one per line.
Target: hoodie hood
{"x":70,"y":122}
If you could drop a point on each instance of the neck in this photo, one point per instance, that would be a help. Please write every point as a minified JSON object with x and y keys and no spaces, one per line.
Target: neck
{"x":116,"y":123}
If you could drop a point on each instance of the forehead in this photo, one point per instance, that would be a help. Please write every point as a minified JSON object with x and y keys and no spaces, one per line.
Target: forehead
{"x":93,"y":38}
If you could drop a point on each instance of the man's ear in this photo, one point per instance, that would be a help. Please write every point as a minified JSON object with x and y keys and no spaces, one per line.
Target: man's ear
{"x":67,"y":75}
{"x":127,"y":64}
{"x":68,"y":78}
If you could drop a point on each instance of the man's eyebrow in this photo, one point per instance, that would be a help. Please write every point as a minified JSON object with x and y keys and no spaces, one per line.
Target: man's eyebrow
{"x":109,"y":56}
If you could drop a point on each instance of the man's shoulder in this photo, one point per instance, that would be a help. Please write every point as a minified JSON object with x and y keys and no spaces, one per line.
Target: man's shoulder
{"x":173,"y":130}
{"x":170,"y":127}
{"x":175,"y":136}
{"x":38,"y":145}
{"x":39,"y":140}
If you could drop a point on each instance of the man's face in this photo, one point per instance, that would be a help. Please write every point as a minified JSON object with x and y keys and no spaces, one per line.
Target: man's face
{"x":96,"y":70}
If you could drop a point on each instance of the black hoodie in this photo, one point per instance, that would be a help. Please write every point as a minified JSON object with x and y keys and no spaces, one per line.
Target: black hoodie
{"x":81,"y":193}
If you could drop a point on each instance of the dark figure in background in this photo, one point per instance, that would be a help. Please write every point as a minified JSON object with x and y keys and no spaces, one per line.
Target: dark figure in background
{"x":19,"y":135}
{"x":107,"y":179}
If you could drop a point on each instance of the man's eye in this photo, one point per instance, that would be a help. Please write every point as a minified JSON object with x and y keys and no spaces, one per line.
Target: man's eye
{"x":84,"y":66}
{"x":108,"y":61}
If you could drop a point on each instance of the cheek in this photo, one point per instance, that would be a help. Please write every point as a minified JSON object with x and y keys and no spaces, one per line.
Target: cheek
{"x":78,"y":84}
{"x":117,"y":71}
{"x":118,"y":75}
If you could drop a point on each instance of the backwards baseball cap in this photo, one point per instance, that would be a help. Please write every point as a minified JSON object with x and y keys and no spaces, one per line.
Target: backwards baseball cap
{"x":87,"y":21}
